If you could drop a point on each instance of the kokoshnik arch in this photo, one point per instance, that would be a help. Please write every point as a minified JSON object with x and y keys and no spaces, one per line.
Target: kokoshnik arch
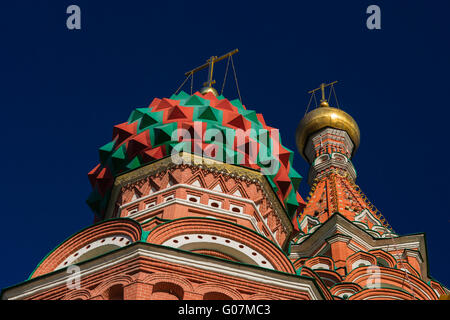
{"x":225,"y":220}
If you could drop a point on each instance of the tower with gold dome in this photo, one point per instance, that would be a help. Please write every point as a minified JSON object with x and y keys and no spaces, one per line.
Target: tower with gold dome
{"x":195,"y":198}
{"x":343,"y":237}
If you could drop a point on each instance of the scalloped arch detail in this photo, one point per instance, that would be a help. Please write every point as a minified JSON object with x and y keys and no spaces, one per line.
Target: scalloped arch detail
{"x":219,"y":228}
{"x":381,"y":294}
{"x":392,"y":277}
{"x":122,"y":226}
{"x":121,"y":279}
{"x":79,"y":294}
{"x":158,"y":277}
{"x":208,"y":288}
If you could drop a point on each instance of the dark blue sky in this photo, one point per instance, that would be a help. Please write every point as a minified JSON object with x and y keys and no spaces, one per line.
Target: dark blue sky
{"x":62,"y":91}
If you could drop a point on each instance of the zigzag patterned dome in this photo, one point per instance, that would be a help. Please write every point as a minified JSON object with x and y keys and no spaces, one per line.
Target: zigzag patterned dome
{"x":147,"y":136}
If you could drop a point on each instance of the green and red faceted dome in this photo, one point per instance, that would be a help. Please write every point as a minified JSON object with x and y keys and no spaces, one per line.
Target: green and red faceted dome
{"x":147,"y":137}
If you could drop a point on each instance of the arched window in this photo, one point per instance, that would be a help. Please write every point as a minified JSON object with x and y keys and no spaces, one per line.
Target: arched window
{"x":167,"y":291}
{"x":115,"y":292}
{"x":382,"y":263}
{"x":216,"y":296}
{"x":321,"y":159}
{"x":339,"y":157}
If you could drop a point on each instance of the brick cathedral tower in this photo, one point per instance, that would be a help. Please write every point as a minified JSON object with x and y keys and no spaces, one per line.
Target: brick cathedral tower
{"x":195,"y":197}
{"x":343,"y":237}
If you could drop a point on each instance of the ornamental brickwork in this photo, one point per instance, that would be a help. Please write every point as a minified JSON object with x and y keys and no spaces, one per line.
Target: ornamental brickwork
{"x":195,"y":198}
{"x":344,"y":241}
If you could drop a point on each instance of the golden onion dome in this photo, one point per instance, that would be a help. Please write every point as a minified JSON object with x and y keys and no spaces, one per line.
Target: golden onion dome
{"x":324,"y":117}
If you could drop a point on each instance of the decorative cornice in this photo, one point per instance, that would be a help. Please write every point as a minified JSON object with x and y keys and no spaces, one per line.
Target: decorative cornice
{"x":412,"y":253}
{"x":340,"y":225}
{"x":338,"y":238}
{"x":194,"y":161}
{"x":216,"y":210}
{"x":170,"y":255}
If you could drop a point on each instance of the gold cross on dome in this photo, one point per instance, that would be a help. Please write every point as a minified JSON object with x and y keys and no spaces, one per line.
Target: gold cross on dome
{"x":322,"y":88}
{"x":210,"y":65}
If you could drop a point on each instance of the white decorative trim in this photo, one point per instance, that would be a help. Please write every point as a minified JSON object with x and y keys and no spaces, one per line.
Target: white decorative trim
{"x":119,"y":240}
{"x":218,"y":188}
{"x":320,"y":159}
{"x":379,"y":274}
{"x":308,"y":220}
{"x":373,"y":233}
{"x":237,"y":193}
{"x":320,"y":265}
{"x":343,"y":291}
{"x":236,"y":209}
{"x":134,"y":210}
{"x":196,"y":183}
{"x":202,"y":206}
{"x":230,"y":247}
{"x":339,"y":156}
{"x":190,"y":197}
{"x":387,"y":248}
{"x":337,"y":134}
{"x":366,"y":214}
{"x":150,"y":205}
{"x":218,"y":203}
{"x":212,"y":266}
{"x":134,"y":197}
{"x":338,"y":238}
{"x":406,"y":270}
{"x":358,"y":263}
{"x":338,"y":229}
{"x":414,"y":254}
{"x":170,"y":197}
{"x":250,"y":218}
{"x":382,"y":297}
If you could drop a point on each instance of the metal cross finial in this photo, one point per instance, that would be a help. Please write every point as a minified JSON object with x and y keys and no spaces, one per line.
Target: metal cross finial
{"x":322,"y":88}
{"x":210,"y":64}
